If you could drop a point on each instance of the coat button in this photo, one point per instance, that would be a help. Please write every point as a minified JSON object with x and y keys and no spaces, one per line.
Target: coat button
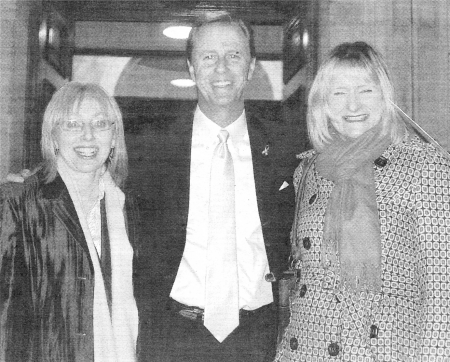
{"x":270,"y":277}
{"x":312,"y":199}
{"x":333,"y":349}
{"x":303,"y":290}
{"x":293,"y":343}
{"x":381,"y":161}
{"x":373,"y":331}
{"x":307,"y":243}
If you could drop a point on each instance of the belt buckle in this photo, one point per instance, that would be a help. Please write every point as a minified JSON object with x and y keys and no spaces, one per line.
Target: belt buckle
{"x":192,"y":314}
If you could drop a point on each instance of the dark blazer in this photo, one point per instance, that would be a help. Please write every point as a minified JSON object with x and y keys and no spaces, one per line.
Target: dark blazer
{"x":167,"y":203}
{"x":46,"y":273}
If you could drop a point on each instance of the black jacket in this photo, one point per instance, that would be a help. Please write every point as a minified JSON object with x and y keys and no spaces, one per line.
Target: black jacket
{"x":166,"y":206}
{"x":46,"y":273}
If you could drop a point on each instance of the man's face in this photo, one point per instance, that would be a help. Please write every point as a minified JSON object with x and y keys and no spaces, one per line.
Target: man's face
{"x":221,"y":65}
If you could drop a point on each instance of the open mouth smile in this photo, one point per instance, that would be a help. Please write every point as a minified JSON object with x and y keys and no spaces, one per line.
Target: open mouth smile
{"x":222,"y":84}
{"x":358,"y":118}
{"x":86,"y":152}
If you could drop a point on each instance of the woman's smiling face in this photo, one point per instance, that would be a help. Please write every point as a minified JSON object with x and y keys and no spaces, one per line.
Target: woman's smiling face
{"x":88,"y":150}
{"x":355,"y":102}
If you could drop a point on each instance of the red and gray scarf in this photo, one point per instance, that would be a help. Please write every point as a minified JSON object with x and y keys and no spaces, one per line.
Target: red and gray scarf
{"x":352,"y":227}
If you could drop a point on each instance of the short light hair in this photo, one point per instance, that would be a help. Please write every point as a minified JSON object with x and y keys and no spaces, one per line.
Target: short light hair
{"x":63,"y":103}
{"x":222,"y":18}
{"x":362,"y":57}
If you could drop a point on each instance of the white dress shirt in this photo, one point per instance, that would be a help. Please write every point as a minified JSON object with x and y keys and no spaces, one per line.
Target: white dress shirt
{"x":189,"y":286}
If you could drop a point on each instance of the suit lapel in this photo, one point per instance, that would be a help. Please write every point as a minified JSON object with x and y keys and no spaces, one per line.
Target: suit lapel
{"x":262,"y":162}
{"x":262,"y":167}
{"x":175,"y":187}
{"x":182,"y":159}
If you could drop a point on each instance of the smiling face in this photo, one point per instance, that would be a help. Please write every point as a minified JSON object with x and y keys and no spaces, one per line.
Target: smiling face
{"x":221,"y":66}
{"x":354,"y":102}
{"x":87,"y":151}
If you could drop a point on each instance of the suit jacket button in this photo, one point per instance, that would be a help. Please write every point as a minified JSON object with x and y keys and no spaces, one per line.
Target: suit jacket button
{"x":293,"y":343}
{"x":333,"y":349}
{"x":269,"y":277}
{"x":381,"y":161}
{"x":307,"y":243}
{"x":373,"y":331}
{"x":312,"y":199}
{"x":303,"y":290}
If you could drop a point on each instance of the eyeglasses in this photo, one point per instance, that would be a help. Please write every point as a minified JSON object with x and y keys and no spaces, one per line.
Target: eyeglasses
{"x":77,"y":125}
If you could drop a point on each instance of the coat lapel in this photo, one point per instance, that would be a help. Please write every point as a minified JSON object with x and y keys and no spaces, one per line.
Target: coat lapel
{"x":63,"y":208}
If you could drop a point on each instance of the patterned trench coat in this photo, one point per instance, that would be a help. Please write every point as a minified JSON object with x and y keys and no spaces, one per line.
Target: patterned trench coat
{"x":410,"y":319}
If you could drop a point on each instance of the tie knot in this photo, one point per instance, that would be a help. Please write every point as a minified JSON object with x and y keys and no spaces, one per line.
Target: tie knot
{"x":223,"y":136}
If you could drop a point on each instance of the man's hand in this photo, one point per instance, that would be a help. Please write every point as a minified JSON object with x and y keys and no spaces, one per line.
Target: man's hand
{"x":17,"y":177}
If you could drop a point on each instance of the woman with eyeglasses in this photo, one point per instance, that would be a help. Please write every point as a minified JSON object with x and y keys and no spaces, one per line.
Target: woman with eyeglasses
{"x":67,"y":239}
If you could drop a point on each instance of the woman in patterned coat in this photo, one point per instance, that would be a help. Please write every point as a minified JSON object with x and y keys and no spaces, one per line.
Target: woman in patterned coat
{"x":371,"y":237}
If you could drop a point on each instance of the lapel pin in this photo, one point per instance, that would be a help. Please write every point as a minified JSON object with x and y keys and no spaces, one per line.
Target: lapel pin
{"x":265,"y":152}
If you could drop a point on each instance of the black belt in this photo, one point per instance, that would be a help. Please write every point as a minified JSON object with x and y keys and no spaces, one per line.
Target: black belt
{"x":195,"y":313}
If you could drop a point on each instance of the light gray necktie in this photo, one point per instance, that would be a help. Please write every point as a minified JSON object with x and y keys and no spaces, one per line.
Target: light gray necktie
{"x":222,"y":286}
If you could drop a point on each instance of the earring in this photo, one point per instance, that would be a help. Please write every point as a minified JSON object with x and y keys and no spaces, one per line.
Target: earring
{"x":111,"y":154}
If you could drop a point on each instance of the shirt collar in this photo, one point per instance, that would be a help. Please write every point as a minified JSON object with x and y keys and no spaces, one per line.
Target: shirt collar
{"x":207,"y":129}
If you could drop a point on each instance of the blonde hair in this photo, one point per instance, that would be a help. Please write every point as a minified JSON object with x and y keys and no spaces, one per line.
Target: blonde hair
{"x":67,"y":99}
{"x":359,"y":56}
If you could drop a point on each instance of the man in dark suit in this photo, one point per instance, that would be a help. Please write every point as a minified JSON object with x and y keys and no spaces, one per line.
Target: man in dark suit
{"x":177,"y":261}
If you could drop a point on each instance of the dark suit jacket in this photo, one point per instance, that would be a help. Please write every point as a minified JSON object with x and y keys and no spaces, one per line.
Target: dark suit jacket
{"x":166,"y":205}
{"x":46,"y":273}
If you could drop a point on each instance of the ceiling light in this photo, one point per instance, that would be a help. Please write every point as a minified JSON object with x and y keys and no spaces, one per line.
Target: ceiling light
{"x":305,"y":39}
{"x":177,"y":32}
{"x":182,"y":83}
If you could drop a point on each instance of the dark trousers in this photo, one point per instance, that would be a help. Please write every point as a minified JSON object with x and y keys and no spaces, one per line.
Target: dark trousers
{"x":173,"y":337}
